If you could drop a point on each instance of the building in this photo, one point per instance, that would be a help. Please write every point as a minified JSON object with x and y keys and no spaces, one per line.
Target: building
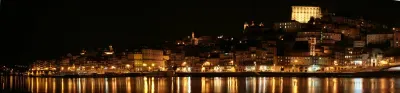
{"x":321,"y":37}
{"x":253,"y":28}
{"x":354,"y":56}
{"x":379,"y":38}
{"x":153,"y":59}
{"x":348,"y":31}
{"x":290,"y":26}
{"x":303,"y":14}
{"x":397,"y":38}
{"x":206,"y":40}
{"x":359,"y":44}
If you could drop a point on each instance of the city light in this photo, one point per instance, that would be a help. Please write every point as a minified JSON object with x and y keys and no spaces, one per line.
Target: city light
{"x":384,"y":62}
{"x":263,"y":68}
{"x":335,"y":62}
{"x":313,"y":68}
{"x":320,"y":54}
{"x":358,"y":62}
{"x":206,"y":63}
{"x":109,"y":53}
{"x":250,"y":68}
{"x":217,"y":69}
{"x":183,"y":64}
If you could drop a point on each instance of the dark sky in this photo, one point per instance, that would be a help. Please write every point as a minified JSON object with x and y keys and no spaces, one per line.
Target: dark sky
{"x":43,"y":29}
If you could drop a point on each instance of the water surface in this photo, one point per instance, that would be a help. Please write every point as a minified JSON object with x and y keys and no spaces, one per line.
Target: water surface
{"x":200,"y":85}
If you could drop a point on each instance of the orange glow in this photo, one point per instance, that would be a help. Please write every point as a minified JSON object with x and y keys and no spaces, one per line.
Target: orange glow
{"x":109,"y":53}
{"x":183,"y":64}
{"x":206,"y":63}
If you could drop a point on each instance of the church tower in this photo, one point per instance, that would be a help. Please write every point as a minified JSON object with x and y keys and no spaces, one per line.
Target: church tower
{"x":111,"y":48}
{"x":193,"y":35}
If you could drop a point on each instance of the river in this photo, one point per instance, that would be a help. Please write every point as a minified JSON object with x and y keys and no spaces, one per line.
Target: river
{"x":200,"y":85}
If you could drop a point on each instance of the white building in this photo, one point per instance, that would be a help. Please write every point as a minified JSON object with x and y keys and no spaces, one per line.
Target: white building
{"x":303,"y":14}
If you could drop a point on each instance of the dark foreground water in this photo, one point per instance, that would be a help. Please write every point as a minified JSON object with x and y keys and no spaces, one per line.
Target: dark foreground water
{"x":200,"y":85}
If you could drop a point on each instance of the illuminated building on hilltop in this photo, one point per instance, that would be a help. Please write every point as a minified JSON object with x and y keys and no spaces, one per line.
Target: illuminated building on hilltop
{"x":303,"y":14}
{"x":253,"y":27}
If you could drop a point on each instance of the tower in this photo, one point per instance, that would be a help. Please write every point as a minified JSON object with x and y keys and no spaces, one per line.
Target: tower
{"x":245,"y":25}
{"x":83,"y":52}
{"x":111,"y":48}
{"x":194,"y":40}
{"x":193,"y":35}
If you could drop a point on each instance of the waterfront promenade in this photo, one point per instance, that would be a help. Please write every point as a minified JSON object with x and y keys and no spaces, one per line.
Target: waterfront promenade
{"x":241,"y":74}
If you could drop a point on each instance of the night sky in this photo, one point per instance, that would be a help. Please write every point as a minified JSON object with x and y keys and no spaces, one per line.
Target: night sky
{"x":46,"y":29}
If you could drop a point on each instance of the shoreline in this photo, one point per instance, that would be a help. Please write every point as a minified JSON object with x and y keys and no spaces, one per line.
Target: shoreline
{"x":235,"y":74}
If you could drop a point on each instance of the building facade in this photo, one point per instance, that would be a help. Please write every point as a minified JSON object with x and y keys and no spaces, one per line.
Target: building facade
{"x":303,"y":14}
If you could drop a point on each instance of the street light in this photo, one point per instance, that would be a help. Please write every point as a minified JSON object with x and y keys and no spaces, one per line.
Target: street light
{"x":294,"y":65}
{"x":127,"y":65}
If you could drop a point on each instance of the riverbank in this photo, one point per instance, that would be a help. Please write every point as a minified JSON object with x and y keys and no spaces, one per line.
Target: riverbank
{"x":239,"y":74}
{"x":291,"y":74}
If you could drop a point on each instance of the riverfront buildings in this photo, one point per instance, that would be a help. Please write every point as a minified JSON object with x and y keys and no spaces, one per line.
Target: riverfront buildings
{"x":311,"y":42}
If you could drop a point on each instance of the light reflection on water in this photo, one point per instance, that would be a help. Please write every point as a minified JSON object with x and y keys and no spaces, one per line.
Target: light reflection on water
{"x":200,"y":85}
